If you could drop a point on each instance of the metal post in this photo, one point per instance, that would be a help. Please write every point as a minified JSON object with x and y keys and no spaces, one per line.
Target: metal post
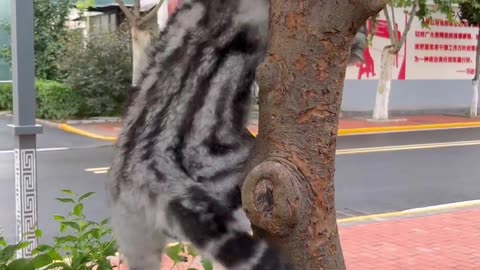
{"x":24,"y":124}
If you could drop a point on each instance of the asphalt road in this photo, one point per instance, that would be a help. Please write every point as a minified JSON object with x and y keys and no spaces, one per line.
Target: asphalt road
{"x":366,"y":183}
{"x":51,"y":138}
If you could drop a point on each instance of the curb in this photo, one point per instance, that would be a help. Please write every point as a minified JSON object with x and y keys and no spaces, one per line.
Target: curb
{"x":77,"y":131}
{"x":411,"y":212}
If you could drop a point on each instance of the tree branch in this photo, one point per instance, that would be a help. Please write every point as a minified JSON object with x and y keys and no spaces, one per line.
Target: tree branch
{"x":394,"y":25}
{"x":411,"y":15}
{"x":390,"y":24}
{"x":136,"y":9}
{"x":147,"y":17}
{"x":126,"y":11}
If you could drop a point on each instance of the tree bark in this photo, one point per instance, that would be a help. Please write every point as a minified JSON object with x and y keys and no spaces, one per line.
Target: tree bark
{"x":474,"y":103}
{"x":140,"y":41}
{"x":288,"y":194}
{"x":380,"y":112}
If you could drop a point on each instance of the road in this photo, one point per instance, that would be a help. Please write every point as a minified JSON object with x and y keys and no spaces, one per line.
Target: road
{"x":387,"y":179}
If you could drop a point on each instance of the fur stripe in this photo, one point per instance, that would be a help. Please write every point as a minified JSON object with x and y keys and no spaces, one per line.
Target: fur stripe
{"x":237,"y":250}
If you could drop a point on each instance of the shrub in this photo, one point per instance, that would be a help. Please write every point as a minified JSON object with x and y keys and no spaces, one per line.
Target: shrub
{"x":99,"y":70}
{"x":6,"y":97}
{"x":54,"y":100}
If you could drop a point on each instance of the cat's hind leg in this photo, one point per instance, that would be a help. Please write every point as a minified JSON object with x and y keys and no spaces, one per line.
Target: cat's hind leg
{"x":142,"y":245}
{"x":213,"y":229}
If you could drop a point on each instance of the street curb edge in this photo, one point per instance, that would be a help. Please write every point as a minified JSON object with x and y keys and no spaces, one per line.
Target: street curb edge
{"x":77,"y":131}
{"x":411,"y":212}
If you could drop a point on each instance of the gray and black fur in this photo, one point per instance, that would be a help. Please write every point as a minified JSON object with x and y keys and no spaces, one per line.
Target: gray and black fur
{"x":179,"y":160}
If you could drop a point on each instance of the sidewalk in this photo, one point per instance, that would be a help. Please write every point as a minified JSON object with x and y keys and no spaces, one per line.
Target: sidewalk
{"x":443,"y":241}
{"x":348,"y":126}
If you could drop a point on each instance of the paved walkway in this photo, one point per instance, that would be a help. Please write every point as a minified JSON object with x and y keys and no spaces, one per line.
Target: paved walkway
{"x":444,"y":241}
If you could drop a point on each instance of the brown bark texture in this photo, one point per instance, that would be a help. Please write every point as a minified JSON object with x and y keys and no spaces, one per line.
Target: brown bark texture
{"x":289,"y":192}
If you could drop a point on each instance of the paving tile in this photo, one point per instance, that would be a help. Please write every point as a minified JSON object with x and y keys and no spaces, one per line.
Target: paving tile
{"x":440,"y":242}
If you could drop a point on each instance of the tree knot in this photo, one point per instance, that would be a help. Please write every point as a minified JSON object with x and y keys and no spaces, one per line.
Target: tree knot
{"x":271,"y":196}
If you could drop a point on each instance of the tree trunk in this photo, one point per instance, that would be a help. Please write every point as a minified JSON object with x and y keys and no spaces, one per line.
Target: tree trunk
{"x":140,"y":41}
{"x":474,"y":104}
{"x":289,"y":193}
{"x":380,"y":112}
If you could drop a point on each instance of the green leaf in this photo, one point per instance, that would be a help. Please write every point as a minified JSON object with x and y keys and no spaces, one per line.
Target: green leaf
{"x":192,"y":251}
{"x":66,"y":200}
{"x":62,"y":228}
{"x":104,"y":222}
{"x":21,"y":264}
{"x":66,"y":239}
{"x":78,"y":210}
{"x":8,"y":252}
{"x":22,"y":245}
{"x":41,"y":260}
{"x":55,"y":256}
{"x":110,"y":249}
{"x":173,"y":252}
{"x":58,"y":218}
{"x":93,"y":232}
{"x":69,"y":192}
{"x":41,"y":248}
{"x":86,"y":195}
{"x":38,"y":233}
{"x":207,"y":265}
{"x":72,"y":225}
{"x":2,"y":242}
{"x":60,"y":265}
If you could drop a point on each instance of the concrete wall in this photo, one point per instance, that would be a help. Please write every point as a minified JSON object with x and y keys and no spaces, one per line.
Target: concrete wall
{"x":414,"y":95}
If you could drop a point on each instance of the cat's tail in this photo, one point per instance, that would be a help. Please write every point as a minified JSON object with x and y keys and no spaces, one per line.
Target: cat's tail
{"x":212,"y":228}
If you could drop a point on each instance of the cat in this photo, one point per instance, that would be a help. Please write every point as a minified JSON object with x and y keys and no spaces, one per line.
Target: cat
{"x":179,"y":160}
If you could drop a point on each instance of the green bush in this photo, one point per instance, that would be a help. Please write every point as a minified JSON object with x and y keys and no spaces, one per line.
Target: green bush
{"x":99,"y":70}
{"x":6,"y":97}
{"x":57,"y":101}
{"x":54,"y":100}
